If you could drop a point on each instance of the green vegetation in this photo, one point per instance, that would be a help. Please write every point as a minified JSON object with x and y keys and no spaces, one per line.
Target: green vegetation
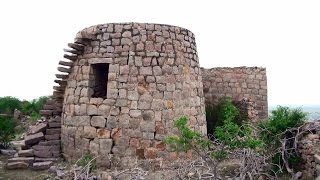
{"x":271,"y":142}
{"x":7,"y":131}
{"x":227,"y":136}
{"x":276,"y":129}
{"x":7,"y":106}
{"x":31,"y":108}
{"x":88,"y":160}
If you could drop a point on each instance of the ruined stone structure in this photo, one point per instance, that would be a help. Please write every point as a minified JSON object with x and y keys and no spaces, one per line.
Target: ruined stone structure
{"x":239,"y":83}
{"x":123,"y":85}
{"x":127,"y":85}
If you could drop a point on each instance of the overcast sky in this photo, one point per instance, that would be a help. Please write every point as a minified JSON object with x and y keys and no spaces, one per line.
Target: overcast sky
{"x":283,"y":36}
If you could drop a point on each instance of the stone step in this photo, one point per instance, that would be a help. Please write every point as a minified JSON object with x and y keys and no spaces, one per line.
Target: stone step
{"x":73,"y":51}
{"x":64,"y":70}
{"x":47,"y":154}
{"x":17,"y":165}
{"x":42,"y":165}
{"x":66,"y":63}
{"x":45,"y":159}
{"x":50,"y":143}
{"x":54,"y":125}
{"x":28,"y":160}
{"x":46,"y":148}
{"x":26,"y":153}
{"x":41,"y":127}
{"x":46,"y":112}
{"x":49,"y":107}
{"x":59,"y":88}
{"x":61,"y":76}
{"x":78,"y":47}
{"x":8,"y":152}
{"x":82,"y":41}
{"x":52,"y":137}
{"x":33,"y":139}
{"x":52,"y":131}
{"x":70,"y":57}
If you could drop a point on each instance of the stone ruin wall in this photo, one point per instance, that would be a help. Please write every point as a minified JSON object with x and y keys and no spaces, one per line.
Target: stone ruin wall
{"x":309,"y":149}
{"x":247,"y":86}
{"x":153,"y":77}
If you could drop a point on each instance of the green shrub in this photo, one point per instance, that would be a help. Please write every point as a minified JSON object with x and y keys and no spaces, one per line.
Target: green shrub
{"x":8,"y":104}
{"x":229,"y":132}
{"x":35,"y":116}
{"x":273,"y":130}
{"x":216,"y":114}
{"x":281,"y":119}
{"x":187,"y":138}
{"x":7,"y":131}
{"x":228,"y":137}
{"x":34,"y":106}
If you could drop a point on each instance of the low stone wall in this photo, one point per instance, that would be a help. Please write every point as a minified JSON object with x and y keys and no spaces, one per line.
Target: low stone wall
{"x":238,"y":83}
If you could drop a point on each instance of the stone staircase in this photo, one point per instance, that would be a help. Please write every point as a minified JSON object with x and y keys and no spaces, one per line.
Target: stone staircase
{"x":42,"y":144}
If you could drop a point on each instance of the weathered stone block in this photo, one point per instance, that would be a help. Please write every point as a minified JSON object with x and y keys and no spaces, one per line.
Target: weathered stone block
{"x":50,"y":143}
{"x":25,"y":153}
{"x":103,"y":133}
{"x":104,"y":110}
{"x":53,"y":131}
{"x":17,"y":165}
{"x":105,"y":146}
{"x":41,"y":127}
{"x":34,"y":138}
{"x":52,"y":137}
{"x":135,"y":113}
{"x":151,"y":153}
{"x":148,"y":126}
{"x":92,"y":110}
{"x":42,"y":165}
{"x":145,"y":71}
{"x":27,"y":160}
{"x":89,"y":132}
{"x":54,"y":124}
{"x":94,"y":146}
{"x":98,"y":121}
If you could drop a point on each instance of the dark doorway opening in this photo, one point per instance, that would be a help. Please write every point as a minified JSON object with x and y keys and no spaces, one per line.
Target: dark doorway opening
{"x":99,"y":84}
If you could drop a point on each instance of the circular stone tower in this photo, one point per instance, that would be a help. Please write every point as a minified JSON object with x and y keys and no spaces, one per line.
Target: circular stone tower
{"x":127,"y":84}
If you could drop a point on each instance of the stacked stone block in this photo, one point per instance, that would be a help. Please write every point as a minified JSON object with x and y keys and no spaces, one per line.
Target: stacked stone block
{"x":238,"y":83}
{"x":153,"y":78}
{"x":42,"y":143}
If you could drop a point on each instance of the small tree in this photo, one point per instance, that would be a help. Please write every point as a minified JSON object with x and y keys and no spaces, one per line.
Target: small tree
{"x":6,"y":131}
{"x":8,"y":104}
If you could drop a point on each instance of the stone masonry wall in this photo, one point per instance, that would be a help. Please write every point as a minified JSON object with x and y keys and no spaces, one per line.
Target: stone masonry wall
{"x":238,"y":83}
{"x":153,"y":77}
